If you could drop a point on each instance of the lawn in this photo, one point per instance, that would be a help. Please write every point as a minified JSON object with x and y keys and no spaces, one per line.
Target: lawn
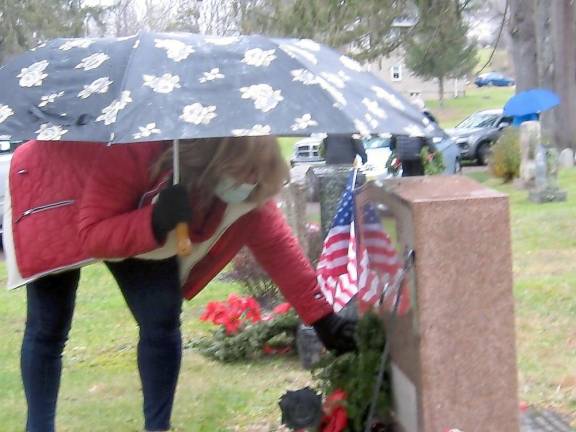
{"x":100,"y":388}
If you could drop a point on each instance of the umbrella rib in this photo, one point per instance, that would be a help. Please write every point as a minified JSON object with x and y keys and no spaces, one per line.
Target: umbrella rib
{"x":123,"y":82}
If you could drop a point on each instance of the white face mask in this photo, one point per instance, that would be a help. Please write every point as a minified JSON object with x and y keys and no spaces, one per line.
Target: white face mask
{"x":228,"y":191}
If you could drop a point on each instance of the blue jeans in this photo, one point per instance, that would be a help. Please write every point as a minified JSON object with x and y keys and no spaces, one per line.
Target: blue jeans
{"x":151,"y":290}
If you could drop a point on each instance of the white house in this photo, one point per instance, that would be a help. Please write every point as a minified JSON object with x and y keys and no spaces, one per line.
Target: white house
{"x":394,"y":71}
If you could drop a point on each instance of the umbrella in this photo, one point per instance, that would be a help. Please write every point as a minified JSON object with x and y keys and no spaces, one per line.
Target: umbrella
{"x":156,"y":86}
{"x":532,"y":101}
{"x":169,"y":86}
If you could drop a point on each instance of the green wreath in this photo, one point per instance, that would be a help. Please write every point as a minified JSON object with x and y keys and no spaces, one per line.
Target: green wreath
{"x":432,"y":161}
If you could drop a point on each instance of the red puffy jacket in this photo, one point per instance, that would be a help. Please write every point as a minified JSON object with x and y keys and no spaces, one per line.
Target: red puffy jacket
{"x":72,"y":202}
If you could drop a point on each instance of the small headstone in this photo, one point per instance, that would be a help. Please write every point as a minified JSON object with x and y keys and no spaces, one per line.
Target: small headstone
{"x":566,"y":158}
{"x":292,"y":201}
{"x":309,"y":346}
{"x":546,"y":181}
{"x":331,"y":182}
{"x":530,"y":137}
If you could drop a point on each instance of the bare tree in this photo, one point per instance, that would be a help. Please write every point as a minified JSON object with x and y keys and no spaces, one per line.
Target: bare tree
{"x":546,"y":76}
{"x":123,"y":18}
{"x":544,"y":48}
{"x":523,"y":33}
{"x":220,"y":17}
{"x":127,"y":17}
{"x":563,"y":21}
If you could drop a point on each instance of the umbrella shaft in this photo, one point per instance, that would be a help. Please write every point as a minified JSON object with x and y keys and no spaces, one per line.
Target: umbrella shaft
{"x":176,"y":160}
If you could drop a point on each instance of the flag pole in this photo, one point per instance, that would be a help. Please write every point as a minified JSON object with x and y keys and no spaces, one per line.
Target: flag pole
{"x":183,"y":243}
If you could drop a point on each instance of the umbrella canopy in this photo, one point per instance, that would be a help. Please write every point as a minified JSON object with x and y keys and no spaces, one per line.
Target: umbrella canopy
{"x":156,"y":86}
{"x":532,"y":101}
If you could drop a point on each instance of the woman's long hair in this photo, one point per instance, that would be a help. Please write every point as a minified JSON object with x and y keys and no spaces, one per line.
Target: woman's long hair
{"x":204,"y":161}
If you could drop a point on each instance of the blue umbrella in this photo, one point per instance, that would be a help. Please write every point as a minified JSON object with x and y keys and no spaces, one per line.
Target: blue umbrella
{"x":532,"y":101}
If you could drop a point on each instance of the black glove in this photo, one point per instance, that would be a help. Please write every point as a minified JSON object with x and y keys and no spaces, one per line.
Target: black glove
{"x":172,"y":207}
{"x":336,"y":333}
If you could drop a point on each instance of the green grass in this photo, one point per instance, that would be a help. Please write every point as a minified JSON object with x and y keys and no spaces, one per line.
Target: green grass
{"x":476,"y":99}
{"x":544,"y":250}
{"x":100,"y":387}
{"x":287,"y":146}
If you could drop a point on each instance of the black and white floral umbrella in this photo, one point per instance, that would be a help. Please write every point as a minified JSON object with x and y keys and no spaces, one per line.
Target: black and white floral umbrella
{"x":160,"y":86}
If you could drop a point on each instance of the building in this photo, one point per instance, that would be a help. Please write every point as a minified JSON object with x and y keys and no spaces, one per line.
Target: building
{"x":394,"y":71}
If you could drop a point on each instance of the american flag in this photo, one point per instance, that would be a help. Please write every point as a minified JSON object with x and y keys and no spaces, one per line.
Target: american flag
{"x":366,"y":264}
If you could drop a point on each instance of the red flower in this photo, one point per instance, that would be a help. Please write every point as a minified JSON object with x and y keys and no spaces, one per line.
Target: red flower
{"x":221,"y":317}
{"x":253,"y":310}
{"x":335,"y":422}
{"x":282,"y":308}
{"x":232,"y":324}
{"x":236,"y":304}
{"x":212,"y":310}
{"x":335,"y":414}
{"x":232,"y":313}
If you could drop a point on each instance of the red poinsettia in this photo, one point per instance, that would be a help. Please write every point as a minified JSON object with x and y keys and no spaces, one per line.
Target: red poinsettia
{"x":232,"y":313}
{"x":252,"y":310}
{"x":335,"y":415}
{"x":213,"y":312}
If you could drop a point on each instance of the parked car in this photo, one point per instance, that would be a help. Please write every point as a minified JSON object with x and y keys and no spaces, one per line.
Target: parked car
{"x":493,"y":79}
{"x":378,"y":151}
{"x":476,"y":134}
{"x":7,"y":148}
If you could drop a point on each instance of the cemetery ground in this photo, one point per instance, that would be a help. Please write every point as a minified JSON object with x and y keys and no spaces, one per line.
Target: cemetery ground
{"x":100,"y":387}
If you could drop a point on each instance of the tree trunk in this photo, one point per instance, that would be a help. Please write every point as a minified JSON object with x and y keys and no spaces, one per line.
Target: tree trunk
{"x":441,"y":91}
{"x":523,"y":33}
{"x":546,"y":76}
{"x":564,"y":43}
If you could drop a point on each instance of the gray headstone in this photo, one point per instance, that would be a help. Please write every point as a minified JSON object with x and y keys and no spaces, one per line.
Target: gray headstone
{"x":546,"y":177}
{"x":530,"y":138}
{"x":331,"y":182}
{"x":292,"y":202}
{"x":566,"y":158}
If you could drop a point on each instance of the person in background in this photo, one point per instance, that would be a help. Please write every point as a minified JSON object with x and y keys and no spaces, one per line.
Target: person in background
{"x":343,"y":149}
{"x":72,"y":203}
{"x":408,"y":152}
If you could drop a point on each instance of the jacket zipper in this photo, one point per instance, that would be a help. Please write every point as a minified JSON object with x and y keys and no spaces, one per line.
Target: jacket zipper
{"x":42,"y":208}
